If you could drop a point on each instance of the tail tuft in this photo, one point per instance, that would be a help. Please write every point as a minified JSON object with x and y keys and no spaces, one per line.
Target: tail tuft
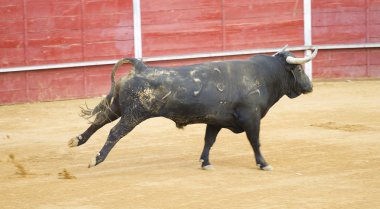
{"x":87,"y":113}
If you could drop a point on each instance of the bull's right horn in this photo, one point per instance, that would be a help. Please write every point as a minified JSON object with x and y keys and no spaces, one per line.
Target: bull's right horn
{"x":294,"y":60}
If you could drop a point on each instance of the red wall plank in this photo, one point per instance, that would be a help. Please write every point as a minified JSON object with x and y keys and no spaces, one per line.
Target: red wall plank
{"x":13,"y":88}
{"x":54,"y":54}
{"x":374,"y":71}
{"x":46,"y":85}
{"x":339,"y":6}
{"x":106,"y":34}
{"x":12,"y":49}
{"x":104,"y":50}
{"x":107,"y":29}
{"x":94,"y":21}
{"x":374,"y":63}
{"x":254,"y":9}
{"x":194,"y":27}
{"x":165,"y":5}
{"x":374,"y":5}
{"x":324,"y":19}
{"x":374,"y":55}
{"x":209,"y":26}
{"x":188,"y":38}
{"x":42,"y":24}
{"x":42,"y":8}
{"x":12,"y":41}
{"x":253,"y":24}
{"x":106,"y":7}
{"x":53,"y":38}
{"x":248,"y":36}
{"x":11,"y":33}
{"x":374,"y":33}
{"x":340,"y":63}
{"x":53,"y":31}
{"x":341,"y":72}
{"x":48,"y":32}
{"x":98,"y":79}
{"x":11,"y":57}
{"x":54,"y":47}
{"x":344,"y":57}
{"x":11,"y":9}
{"x":339,"y":34}
{"x":11,"y":26}
{"x":342,"y":21}
{"x":181,"y":16}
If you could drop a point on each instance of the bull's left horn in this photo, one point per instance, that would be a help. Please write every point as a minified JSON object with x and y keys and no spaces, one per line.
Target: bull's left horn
{"x":281,"y":50}
{"x":294,"y":60}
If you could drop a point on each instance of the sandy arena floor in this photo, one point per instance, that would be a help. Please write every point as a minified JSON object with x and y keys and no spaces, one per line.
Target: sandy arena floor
{"x":324,"y":147}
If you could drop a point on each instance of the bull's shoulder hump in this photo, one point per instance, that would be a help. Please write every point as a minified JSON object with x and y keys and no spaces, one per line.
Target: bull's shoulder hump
{"x":203,"y":65}
{"x":262,"y":58}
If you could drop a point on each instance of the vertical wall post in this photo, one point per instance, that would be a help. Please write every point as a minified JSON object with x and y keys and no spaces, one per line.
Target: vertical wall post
{"x":307,"y":35}
{"x":137,"y":29}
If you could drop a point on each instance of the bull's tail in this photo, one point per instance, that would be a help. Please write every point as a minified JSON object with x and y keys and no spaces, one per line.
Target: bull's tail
{"x":105,"y":104}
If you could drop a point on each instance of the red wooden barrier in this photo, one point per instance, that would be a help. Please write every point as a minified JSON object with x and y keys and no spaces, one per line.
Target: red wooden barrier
{"x":36,"y":32}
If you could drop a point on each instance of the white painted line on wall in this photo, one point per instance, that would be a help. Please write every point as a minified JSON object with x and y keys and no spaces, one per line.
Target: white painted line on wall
{"x":193,"y":56}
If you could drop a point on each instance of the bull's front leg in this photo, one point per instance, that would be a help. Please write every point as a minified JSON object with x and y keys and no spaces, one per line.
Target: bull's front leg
{"x":251,"y":125}
{"x":210,"y":137}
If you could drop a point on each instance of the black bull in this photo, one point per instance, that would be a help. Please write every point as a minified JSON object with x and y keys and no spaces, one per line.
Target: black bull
{"x":227,"y":94}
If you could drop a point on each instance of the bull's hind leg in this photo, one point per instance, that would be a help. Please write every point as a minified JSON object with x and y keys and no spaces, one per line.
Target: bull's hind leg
{"x":102,"y":118}
{"x":210,"y":137}
{"x":126,"y":124}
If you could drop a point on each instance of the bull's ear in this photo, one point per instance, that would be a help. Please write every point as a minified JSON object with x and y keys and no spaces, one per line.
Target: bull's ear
{"x":290,"y":67}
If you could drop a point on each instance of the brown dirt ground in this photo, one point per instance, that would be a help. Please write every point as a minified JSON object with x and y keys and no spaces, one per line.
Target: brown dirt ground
{"x":324,"y":147}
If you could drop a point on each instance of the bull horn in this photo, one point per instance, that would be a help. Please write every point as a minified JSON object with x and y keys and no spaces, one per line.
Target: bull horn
{"x":294,"y":60}
{"x":281,"y":50}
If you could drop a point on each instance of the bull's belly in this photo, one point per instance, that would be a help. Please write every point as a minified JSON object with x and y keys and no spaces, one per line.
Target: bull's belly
{"x":195,"y":114}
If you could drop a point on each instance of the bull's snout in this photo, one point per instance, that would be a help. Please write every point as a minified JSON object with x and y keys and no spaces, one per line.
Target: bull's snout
{"x":308,"y":88}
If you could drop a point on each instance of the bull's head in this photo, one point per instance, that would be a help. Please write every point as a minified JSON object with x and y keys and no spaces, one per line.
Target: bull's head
{"x":300,"y":82}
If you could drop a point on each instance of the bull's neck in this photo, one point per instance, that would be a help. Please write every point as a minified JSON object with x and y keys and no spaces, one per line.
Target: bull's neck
{"x":280,"y":85}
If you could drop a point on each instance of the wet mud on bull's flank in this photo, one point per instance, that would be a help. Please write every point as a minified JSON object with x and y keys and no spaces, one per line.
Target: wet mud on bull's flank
{"x":324,"y":148}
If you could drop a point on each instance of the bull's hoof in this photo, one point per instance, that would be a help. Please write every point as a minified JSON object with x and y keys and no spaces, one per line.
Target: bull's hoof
{"x":92,"y":162}
{"x":96,"y":160}
{"x":208,"y":168}
{"x":73,"y":142}
{"x":265,"y":168}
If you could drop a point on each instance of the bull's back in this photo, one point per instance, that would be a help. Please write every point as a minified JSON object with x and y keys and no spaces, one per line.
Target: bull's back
{"x":204,"y":93}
